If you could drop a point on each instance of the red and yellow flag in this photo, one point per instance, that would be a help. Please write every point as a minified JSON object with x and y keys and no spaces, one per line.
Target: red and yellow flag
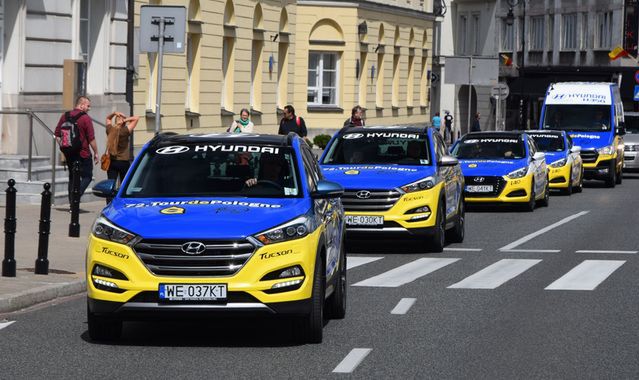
{"x":617,"y":53}
{"x":506,"y":60}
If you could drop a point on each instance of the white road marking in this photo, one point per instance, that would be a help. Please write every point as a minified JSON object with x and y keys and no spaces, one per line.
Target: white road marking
{"x":595,"y":251}
{"x":587,"y":275}
{"x":352,"y":360}
{"x":531,"y":250}
{"x":463,"y":249}
{"x":355,"y":261}
{"x":403,"y":306}
{"x":5,"y":323}
{"x":496,"y":274}
{"x":406,"y":273}
{"x":533,"y":235}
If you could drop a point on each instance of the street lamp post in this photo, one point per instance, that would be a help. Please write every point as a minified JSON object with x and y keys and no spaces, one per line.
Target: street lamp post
{"x":510,"y":19}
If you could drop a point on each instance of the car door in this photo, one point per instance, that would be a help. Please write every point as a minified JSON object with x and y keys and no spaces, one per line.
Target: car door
{"x":538,"y":167}
{"x":447,"y":174}
{"x":574,"y":159}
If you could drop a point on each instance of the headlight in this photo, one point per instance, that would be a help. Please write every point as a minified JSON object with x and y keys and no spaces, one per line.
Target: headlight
{"x":610,"y":149}
{"x":518,"y":173}
{"x":559,"y":163}
{"x":422,"y":184}
{"x":104,"y":229}
{"x":295,"y":229}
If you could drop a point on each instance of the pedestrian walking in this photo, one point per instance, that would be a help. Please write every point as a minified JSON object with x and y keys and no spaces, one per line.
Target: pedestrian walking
{"x":117,"y":147}
{"x":448,"y":128}
{"x":356,"y":119}
{"x":292,"y":123}
{"x":243,"y":124}
{"x":76,"y":138}
{"x":476,"y":127}
{"x":437,"y":121}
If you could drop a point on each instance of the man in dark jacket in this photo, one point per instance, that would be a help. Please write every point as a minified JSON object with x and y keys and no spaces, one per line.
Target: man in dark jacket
{"x":476,"y":127}
{"x":356,"y":119}
{"x":292,"y":123}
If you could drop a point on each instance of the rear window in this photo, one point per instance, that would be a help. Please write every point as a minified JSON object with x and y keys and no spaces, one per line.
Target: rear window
{"x":401,"y":148}
{"x":216,"y":169}
{"x":490,"y":148}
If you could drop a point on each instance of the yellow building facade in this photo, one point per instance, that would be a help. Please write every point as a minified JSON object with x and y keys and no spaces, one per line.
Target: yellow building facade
{"x":322,"y":57}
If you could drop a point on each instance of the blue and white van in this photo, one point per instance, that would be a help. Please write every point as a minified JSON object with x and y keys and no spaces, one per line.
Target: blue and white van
{"x":592,"y":115}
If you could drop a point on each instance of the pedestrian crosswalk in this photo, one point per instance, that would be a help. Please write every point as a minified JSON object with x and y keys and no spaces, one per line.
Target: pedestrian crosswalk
{"x":587,"y":275}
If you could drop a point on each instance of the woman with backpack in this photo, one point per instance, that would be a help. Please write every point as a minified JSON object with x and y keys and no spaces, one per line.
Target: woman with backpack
{"x":243,"y":124}
{"x":118,"y":136}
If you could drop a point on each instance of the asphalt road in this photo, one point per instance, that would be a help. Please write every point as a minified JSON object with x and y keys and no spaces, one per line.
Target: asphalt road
{"x":548,"y":294}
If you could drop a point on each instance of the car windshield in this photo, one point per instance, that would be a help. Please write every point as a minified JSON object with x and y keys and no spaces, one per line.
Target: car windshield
{"x":584,"y":118}
{"x":632,"y":124}
{"x":549,"y":142}
{"x":216,"y":169}
{"x":379,"y":148}
{"x":509,"y":147}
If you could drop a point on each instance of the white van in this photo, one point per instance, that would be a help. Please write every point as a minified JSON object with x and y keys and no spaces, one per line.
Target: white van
{"x":592,"y":114}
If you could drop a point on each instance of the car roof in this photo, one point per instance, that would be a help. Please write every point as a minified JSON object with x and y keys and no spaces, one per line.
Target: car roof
{"x":412,"y":128}
{"x":495,"y":134}
{"x":223,"y":138}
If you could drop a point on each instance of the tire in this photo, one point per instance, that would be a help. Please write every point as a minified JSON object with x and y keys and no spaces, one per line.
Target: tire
{"x":456,"y":234}
{"x":530,"y":205}
{"x":611,"y":181}
{"x":568,"y":190}
{"x":543,"y":202}
{"x":103,"y":329}
{"x":619,"y":177}
{"x":336,"y":303}
{"x":438,"y":239}
{"x":309,"y":328}
{"x":580,"y":187}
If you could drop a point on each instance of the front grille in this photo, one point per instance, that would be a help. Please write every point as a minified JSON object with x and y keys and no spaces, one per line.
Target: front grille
{"x":631,"y":148}
{"x":220,"y":258}
{"x":379,"y":200}
{"x":589,"y":156}
{"x":629,"y":158}
{"x":498,"y":184}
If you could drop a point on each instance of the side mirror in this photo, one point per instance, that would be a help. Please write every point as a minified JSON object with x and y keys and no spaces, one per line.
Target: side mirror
{"x":448,"y":161}
{"x":539,"y":156}
{"x":575,"y":149}
{"x":105,"y":189}
{"x":327,"y":189}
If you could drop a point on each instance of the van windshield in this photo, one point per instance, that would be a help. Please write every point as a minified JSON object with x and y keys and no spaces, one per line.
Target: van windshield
{"x":584,"y":118}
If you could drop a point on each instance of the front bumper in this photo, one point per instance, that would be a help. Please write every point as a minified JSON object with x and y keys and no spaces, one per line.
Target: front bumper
{"x":599,"y":169}
{"x":513,"y":191}
{"x":247,"y":293}
{"x":631,"y":160}
{"x":559,"y":178}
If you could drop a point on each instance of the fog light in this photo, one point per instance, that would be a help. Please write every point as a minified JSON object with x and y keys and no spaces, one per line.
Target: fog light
{"x":108,"y":284}
{"x":291,"y":272}
{"x":419,"y":217}
{"x":286,"y":284}
{"x":103,"y":271}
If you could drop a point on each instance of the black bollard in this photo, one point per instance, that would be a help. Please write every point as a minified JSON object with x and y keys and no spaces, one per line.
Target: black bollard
{"x":74,"y":226}
{"x":9,"y":262}
{"x":42,"y":262}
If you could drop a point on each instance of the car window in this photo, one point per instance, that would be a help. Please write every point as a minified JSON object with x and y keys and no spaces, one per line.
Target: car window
{"x":311,"y":176}
{"x":490,"y":147}
{"x":548,"y":142}
{"x":403,"y":148}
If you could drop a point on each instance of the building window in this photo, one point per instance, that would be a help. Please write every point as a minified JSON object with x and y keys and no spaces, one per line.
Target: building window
{"x":476,"y":36}
{"x":604,"y":30}
{"x":322,"y":78}
{"x":507,"y":36}
{"x":537,"y":29}
{"x":569,"y":31}
{"x":461,"y":37}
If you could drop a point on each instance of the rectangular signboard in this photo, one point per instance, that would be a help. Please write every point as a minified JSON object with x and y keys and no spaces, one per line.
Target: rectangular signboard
{"x":484,"y":71}
{"x":174,"y":29}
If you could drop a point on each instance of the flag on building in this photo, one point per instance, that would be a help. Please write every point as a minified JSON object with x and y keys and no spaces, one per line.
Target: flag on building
{"x":506,"y":60}
{"x":617,"y":53}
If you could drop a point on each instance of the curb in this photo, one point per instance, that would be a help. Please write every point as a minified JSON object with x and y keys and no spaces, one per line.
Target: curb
{"x":41,"y":294}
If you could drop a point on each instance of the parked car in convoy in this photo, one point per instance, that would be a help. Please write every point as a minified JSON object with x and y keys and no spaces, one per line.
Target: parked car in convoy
{"x":631,"y":142}
{"x":503,"y":167}
{"x":592,"y":115}
{"x":566,"y":172}
{"x":218,"y":225}
{"x":399,"y":181}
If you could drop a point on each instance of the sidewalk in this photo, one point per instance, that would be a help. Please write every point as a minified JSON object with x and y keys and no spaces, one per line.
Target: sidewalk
{"x":66,"y":256}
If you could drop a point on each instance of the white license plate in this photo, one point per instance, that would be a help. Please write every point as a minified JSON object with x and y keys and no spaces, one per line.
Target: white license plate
{"x":192,"y":292}
{"x":479,"y":188}
{"x":364,"y":220}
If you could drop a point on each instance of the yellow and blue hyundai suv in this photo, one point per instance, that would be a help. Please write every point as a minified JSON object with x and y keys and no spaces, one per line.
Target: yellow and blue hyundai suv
{"x":399,"y":182}
{"x":565,"y":166}
{"x":503,"y":167}
{"x":217,"y":225}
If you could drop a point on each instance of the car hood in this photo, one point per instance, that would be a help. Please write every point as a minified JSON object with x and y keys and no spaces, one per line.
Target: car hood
{"x":631,"y":138}
{"x":591,"y":140}
{"x":554,"y":156}
{"x":202,"y":218}
{"x":491,"y":167}
{"x":375,"y":176}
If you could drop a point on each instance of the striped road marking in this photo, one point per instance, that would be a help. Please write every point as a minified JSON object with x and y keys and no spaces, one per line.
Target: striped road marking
{"x":5,"y":323}
{"x":453,"y":249}
{"x":496,"y":274}
{"x":355,"y":261}
{"x":406,"y":273}
{"x":594,"y":251}
{"x":352,"y":360}
{"x":403,"y":306}
{"x":531,"y":250}
{"x":587,"y":275}
{"x":533,"y":235}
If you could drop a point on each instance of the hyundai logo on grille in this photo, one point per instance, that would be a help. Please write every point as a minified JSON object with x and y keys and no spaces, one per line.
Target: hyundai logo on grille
{"x":363,"y":194}
{"x":479,"y":179}
{"x":193,"y":248}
